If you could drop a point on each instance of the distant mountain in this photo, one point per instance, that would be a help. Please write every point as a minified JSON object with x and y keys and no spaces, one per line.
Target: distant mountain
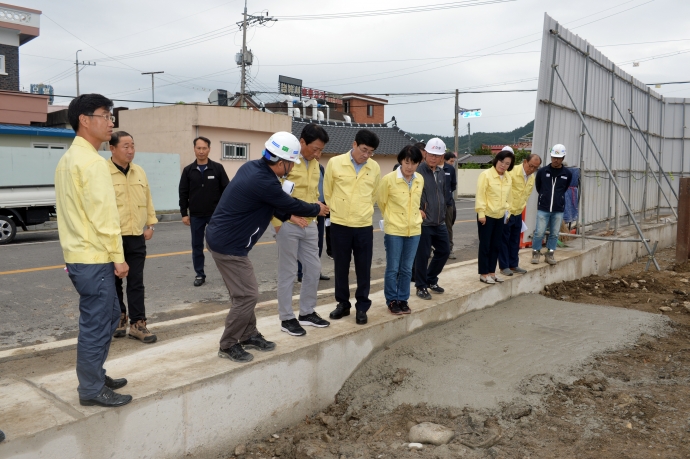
{"x":478,"y":138}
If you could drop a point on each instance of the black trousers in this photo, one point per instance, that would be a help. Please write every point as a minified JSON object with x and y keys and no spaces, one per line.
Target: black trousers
{"x":346,"y":242}
{"x":135,"y":256}
{"x":329,"y":249}
{"x":490,"y":241}
{"x":425,"y":272}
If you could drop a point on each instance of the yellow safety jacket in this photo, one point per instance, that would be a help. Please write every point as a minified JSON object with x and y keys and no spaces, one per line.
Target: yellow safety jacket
{"x":399,"y":204}
{"x":88,"y":220}
{"x":306,"y":180}
{"x":133,"y":197}
{"x":520,"y":189}
{"x":493,"y":194}
{"x":349,"y":195}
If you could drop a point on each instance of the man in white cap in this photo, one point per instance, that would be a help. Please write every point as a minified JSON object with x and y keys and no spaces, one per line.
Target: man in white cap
{"x":434,"y":232}
{"x":248,"y":203}
{"x":522,"y":185}
{"x":551,"y":183}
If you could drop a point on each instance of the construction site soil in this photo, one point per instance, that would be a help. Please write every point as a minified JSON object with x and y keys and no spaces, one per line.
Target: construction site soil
{"x":630,"y":399}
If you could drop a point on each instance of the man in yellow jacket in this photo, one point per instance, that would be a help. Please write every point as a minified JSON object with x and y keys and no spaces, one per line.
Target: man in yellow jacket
{"x":136,"y":210}
{"x":298,"y":238}
{"x":522,"y":185}
{"x":350,"y":187}
{"x":89,"y":229}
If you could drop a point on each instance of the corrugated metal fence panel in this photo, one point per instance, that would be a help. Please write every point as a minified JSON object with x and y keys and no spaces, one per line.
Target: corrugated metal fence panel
{"x":593,"y":81}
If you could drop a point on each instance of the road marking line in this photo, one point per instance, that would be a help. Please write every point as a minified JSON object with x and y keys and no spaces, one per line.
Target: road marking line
{"x":157,"y":255}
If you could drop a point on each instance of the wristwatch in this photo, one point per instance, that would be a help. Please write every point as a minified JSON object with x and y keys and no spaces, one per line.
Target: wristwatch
{"x":152,"y":228}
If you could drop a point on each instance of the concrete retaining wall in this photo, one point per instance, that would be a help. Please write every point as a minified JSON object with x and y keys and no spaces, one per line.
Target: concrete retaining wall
{"x":233,"y":403}
{"x":467,"y":181}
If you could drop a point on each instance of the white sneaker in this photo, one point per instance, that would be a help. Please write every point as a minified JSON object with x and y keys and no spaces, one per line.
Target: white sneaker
{"x":497,"y":279}
{"x":487,"y":279}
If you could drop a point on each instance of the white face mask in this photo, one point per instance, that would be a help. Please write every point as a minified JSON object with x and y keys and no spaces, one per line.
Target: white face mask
{"x":288,"y":187}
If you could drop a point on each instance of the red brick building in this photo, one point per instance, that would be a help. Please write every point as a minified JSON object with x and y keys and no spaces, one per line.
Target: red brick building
{"x":364,"y":109}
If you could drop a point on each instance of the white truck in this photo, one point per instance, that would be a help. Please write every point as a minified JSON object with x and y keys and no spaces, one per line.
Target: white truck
{"x":23,"y":206}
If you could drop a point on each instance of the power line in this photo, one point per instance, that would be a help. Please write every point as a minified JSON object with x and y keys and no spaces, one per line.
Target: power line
{"x":386,"y":12}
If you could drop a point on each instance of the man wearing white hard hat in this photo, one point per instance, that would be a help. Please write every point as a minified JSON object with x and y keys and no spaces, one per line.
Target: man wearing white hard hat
{"x":551,"y":183}
{"x":434,"y":231}
{"x":248,"y":203}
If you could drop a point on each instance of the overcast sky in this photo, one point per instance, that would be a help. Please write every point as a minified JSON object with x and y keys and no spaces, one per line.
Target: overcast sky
{"x":418,"y":52}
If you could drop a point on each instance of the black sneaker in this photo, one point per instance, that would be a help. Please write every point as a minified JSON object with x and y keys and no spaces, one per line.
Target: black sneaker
{"x":423,"y":293}
{"x":394,"y":308}
{"x":436,"y":288}
{"x":313,"y":320}
{"x":292,"y":327}
{"x":340,"y":311}
{"x":236,"y":353}
{"x":404,"y":307}
{"x":115,"y":383}
{"x":258,"y":342}
{"x":198,"y":281}
{"x":107,"y":398}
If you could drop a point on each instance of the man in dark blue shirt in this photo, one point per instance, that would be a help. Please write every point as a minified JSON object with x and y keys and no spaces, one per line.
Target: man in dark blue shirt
{"x":248,"y":203}
{"x":551,"y":183}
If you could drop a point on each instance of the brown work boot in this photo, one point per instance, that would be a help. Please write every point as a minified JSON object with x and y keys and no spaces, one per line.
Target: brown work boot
{"x":121,"y":329}
{"x":139,"y":331}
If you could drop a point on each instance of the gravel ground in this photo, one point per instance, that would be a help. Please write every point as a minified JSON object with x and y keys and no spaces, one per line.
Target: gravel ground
{"x":594,"y":368}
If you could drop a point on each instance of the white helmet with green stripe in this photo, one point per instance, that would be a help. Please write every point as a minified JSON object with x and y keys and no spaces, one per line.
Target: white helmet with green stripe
{"x":283,"y":145}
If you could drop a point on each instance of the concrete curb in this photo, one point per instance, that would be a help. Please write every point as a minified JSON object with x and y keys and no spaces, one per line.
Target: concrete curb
{"x":202,"y":405}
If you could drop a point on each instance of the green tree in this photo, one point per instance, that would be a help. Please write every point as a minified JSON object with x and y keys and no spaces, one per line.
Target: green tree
{"x":520,"y":156}
{"x":470,"y":166}
{"x":482,"y":151}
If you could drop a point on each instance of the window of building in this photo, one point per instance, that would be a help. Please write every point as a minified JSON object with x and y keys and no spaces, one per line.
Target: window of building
{"x":234,"y":150}
{"x":2,"y":65}
{"x":49,"y":146}
{"x":370,"y":110}
{"x":346,"y":106}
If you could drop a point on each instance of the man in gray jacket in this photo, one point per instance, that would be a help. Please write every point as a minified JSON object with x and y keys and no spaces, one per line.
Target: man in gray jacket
{"x":434,"y":232}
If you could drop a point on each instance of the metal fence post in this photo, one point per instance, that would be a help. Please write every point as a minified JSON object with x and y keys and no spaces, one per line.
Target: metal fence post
{"x":615,"y":209}
{"x":650,"y":252}
{"x":640,"y":149}
{"x":581,"y":226}
{"x":683,"y":235}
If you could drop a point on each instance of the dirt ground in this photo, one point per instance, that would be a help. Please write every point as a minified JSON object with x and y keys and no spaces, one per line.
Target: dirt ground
{"x":629,"y":403}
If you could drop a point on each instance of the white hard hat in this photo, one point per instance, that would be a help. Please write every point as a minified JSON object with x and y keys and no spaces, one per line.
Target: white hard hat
{"x":508,"y":148}
{"x":435,"y":146}
{"x":284,"y":145}
{"x":558,"y":151}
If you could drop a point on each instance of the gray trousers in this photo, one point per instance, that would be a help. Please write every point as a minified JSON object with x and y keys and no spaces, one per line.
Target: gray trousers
{"x":239,"y":278}
{"x":295,"y":243}
{"x":99,"y":315}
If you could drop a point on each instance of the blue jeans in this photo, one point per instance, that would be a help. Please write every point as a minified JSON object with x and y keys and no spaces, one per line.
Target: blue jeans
{"x":400,"y":253}
{"x":198,"y":227}
{"x":553,"y":221}
{"x":508,"y":255}
{"x":99,"y":315}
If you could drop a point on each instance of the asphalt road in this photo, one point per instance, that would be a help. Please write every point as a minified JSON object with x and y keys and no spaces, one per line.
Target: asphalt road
{"x":39,"y":304}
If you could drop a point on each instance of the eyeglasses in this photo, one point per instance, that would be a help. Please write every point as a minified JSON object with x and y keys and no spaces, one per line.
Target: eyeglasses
{"x":366,"y":152}
{"x":107,"y":117}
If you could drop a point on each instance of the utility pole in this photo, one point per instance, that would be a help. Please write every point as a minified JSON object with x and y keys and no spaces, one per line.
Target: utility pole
{"x":455,"y":124}
{"x":469,"y":139}
{"x":153,"y":99}
{"x":245,"y":58}
{"x":76,"y":63}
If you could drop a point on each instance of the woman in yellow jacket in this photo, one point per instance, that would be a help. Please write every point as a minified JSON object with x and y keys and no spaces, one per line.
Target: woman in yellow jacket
{"x":491,"y":203}
{"x":399,"y":194}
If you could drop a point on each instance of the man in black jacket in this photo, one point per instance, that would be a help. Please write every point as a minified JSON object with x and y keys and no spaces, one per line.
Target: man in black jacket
{"x":254,"y":196}
{"x":551,"y":183}
{"x":434,"y":232}
{"x":452,"y":183}
{"x":201,"y":186}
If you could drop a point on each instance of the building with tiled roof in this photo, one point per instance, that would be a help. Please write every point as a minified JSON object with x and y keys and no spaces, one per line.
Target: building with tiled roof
{"x":392,"y":139}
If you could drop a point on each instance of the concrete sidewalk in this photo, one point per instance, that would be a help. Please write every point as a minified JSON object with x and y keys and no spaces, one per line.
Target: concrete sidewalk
{"x":189,"y":401}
